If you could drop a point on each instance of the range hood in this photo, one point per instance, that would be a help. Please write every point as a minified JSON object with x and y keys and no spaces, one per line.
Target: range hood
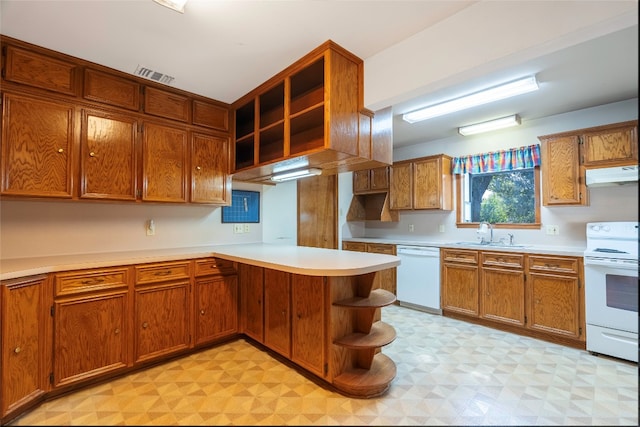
{"x":603,"y":177}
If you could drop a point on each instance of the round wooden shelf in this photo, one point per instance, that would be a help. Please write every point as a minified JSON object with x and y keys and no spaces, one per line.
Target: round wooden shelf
{"x":381,"y":334}
{"x":359,"y":382}
{"x":377,"y":298}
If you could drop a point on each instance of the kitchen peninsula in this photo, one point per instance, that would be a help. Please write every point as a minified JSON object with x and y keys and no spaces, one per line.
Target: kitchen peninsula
{"x":318,"y":308}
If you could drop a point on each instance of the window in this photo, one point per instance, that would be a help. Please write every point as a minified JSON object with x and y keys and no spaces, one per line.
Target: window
{"x":502,"y":188}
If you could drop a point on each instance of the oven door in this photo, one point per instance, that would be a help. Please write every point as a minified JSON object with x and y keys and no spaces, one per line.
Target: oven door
{"x":611,"y":293}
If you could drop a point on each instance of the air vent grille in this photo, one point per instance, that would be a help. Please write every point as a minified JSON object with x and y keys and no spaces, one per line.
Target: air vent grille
{"x":150,"y":74}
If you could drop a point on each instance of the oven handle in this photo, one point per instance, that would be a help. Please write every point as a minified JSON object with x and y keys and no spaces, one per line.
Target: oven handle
{"x":627,"y":264}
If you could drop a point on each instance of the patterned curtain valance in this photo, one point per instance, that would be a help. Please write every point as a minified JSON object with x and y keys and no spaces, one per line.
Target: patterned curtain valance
{"x":498,"y":161}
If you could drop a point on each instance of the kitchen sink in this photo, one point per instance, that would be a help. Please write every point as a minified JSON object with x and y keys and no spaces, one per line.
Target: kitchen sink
{"x":491,"y":245}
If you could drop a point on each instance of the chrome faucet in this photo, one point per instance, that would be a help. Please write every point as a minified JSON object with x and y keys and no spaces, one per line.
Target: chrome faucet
{"x":480,"y":227}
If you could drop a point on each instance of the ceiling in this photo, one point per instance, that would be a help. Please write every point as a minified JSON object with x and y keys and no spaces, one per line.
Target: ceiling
{"x":224,"y":49}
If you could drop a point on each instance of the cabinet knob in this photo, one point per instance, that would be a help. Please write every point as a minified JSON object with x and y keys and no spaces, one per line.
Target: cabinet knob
{"x":538,"y":300}
{"x":17,"y":350}
{"x":60,"y":150}
{"x":92,"y":154}
{"x":198,"y":168}
{"x":145,"y":325}
{"x":201,"y":312}
{"x":284,"y":312}
{"x":116,"y":331}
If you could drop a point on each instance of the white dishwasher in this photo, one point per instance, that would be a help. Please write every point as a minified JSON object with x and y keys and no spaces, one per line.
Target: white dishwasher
{"x":418,"y":278}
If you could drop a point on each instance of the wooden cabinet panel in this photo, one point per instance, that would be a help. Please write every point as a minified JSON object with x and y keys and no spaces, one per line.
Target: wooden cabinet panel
{"x":318,"y":211}
{"x":385,"y":279}
{"x":423,"y":183}
{"x":161,"y":320}
{"x":371,"y":180}
{"x":164,"y":164}
{"x":162,"y":272}
{"x":166,"y":104}
{"x":216,"y":308}
{"x":37,"y":147}
{"x":251,"y":279}
{"x":460,"y":281}
{"x":309,"y":323}
{"x":108,"y":168}
{"x":112,"y":90}
{"x":25,"y":340}
{"x":210,"y":178}
{"x":401,"y":186}
{"x":210,"y":115}
{"x":615,"y":145}
{"x":354,"y":246}
{"x":502,"y":295}
{"x":563,"y":180}
{"x":91,"y":337}
{"x":361,"y":181}
{"x":41,"y":71}
{"x":95,"y":280}
{"x":277,"y":311}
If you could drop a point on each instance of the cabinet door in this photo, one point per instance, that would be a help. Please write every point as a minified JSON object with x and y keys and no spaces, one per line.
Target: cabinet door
{"x":91,"y":337}
{"x":617,"y":145}
{"x":216,"y":308}
{"x":460,"y":288}
{"x":562,"y":176}
{"x":361,"y":181}
{"x":161,"y":320}
{"x":210,"y":179}
{"x":24,"y":341}
{"x":108,"y":156}
{"x":426,"y":183}
{"x":354,"y":246}
{"x":379,"y":178}
{"x":308,"y":336}
{"x":277,"y":311}
{"x":164,"y":164}
{"x":502,"y":295}
{"x":554,"y":304}
{"x":37,"y":143}
{"x":251,"y":297}
{"x":401,"y":188}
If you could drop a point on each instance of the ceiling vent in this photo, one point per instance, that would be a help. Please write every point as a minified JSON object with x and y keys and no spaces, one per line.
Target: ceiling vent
{"x":153,"y":75}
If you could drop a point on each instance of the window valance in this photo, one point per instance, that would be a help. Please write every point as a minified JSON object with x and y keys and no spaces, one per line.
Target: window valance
{"x":498,"y":161}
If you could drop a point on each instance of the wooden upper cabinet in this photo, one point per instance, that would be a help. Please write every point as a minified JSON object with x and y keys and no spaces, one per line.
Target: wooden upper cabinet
{"x":422,"y":183}
{"x":164,"y":163}
{"x":401,"y":186}
{"x":40,"y":71}
{"x":110,"y":89}
{"x":210,"y":115}
{"x":108,"y":156}
{"x":615,"y":145}
{"x":563,"y":181}
{"x":37,"y":147}
{"x":166,"y":104}
{"x":210,"y":179}
{"x":371,"y":180}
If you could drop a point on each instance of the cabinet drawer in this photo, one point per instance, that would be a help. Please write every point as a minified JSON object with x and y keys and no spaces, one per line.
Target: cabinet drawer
{"x":78,"y":282}
{"x":354,"y":246}
{"x":460,"y":255}
{"x":162,"y":272}
{"x":166,"y":104}
{"x":381,"y":248}
{"x":210,"y":115}
{"x":502,"y":259}
{"x":554,"y":264}
{"x":112,"y":90}
{"x":40,"y":71}
{"x":212,"y":266}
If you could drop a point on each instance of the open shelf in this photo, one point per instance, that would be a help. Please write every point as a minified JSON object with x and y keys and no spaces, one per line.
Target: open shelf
{"x":271,"y":143}
{"x":245,"y":120}
{"x":307,"y":87}
{"x":272,"y":106}
{"x":307,"y":131}
{"x":245,"y":152}
{"x":377,"y":298}
{"x":372,"y":382}
{"x":381,"y":334}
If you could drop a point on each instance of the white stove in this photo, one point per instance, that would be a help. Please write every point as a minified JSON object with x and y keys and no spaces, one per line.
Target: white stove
{"x":611,"y":289}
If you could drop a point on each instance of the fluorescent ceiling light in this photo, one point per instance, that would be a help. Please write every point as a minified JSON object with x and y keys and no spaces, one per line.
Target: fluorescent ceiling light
{"x":516,"y":87}
{"x":501,"y":123}
{"x":302,"y":173}
{"x":177,"y":5}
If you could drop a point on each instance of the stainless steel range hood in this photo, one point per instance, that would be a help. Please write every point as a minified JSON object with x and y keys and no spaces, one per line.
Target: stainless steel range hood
{"x":618,"y":175}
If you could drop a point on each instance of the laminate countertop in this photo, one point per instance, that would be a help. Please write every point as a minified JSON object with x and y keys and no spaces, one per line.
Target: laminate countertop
{"x":292,"y":259}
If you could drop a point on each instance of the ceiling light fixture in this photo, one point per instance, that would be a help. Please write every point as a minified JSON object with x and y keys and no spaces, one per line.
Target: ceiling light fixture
{"x":507,"y":90}
{"x":302,"y":173}
{"x":177,"y":5}
{"x":501,"y":123}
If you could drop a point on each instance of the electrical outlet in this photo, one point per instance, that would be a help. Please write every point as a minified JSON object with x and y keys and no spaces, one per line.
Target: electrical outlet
{"x":553,"y":230}
{"x":441,"y":228}
{"x":246,"y":228}
{"x":151,"y":228}
{"x":411,"y":228}
{"x":238,"y":228}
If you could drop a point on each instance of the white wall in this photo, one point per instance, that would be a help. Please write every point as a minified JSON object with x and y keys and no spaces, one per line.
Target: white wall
{"x":618,"y":203}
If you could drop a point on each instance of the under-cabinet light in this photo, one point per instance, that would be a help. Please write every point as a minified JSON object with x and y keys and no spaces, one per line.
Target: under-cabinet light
{"x":302,"y":173}
{"x":501,"y":123}
{"x":177,"y":5}
{"x":507,"y":90}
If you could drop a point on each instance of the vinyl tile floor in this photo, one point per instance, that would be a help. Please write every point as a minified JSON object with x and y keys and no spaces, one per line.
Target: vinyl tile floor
{"x":449,"y":372}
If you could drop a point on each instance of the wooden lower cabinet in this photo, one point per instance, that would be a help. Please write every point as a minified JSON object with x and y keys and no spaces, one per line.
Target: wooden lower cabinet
{"x":386,"y":279}
{"x":162,"y":301}
{"x":277,"y":311}
{"x":460,"y":281}
{"x":308,"y":325}
{"x":502,"y":288}
{"x":216,"y":300}
{"x":251,"y":279}
{"x":25,"y":343}
{"x":92,"y":327}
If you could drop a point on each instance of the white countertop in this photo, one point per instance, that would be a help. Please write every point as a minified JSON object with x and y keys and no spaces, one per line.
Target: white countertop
{"x":531,"y":249}
{"x":293,"y":259}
